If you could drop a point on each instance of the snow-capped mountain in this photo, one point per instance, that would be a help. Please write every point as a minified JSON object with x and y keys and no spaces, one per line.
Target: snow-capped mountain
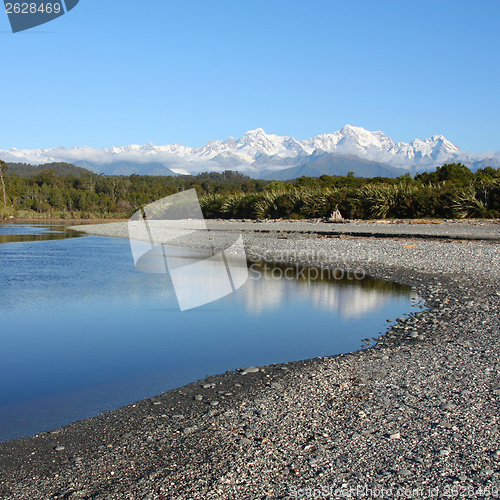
{"x":260,"y":154}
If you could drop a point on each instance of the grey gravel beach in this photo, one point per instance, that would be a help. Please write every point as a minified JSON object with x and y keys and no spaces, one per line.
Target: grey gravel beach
{"x":415,"y":416}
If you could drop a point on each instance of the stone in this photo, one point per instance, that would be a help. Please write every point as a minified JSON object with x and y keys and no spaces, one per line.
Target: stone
{"x":404,"y":472}
{"x":251,"y":369}
{"x":447,"y":406}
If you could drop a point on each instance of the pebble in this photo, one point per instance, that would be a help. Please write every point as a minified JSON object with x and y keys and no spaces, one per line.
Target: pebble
{"x":261,"y":413}
{"x":244,"y":441}
{"x":404,"y":472}
{"x":59,"y":448}
{"x":447,"y":406}
{"x":77,"y":459}
{"x":396,"y":435}
{"x":251,"y":369}
{"x":214,"y":403}
{"x":208,"y":386}
{"x":198,"y":397}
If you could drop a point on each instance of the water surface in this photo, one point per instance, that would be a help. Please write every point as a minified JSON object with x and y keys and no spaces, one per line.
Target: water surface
{"x":82,"y":331}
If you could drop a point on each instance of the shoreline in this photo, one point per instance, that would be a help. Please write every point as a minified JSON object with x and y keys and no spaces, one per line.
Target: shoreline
{"x":319,"y":422}
{"x":48,"y":220}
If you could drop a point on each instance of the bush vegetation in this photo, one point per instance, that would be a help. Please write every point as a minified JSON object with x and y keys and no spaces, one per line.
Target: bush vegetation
{"x":452,"y":191}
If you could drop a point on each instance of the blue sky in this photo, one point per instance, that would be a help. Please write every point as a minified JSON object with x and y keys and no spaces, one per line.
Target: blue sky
{"x":120,"y":72}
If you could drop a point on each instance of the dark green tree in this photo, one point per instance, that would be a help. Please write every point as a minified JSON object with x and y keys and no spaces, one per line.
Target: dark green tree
{"x":3,"y":168}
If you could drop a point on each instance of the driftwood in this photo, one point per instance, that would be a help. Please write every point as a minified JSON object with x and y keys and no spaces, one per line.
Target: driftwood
{"x":336,"y":215}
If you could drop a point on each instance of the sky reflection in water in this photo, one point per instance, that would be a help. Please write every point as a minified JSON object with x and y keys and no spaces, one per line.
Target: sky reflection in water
{"x":83,"y":331}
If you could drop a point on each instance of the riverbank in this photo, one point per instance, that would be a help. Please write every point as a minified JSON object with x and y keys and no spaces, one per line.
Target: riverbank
{"x":50,"y":220}
{"x":481,"y":230}
{"x":419,"y":410}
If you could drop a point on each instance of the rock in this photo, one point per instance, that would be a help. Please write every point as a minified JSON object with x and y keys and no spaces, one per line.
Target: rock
{"x":198,"y":397}
{"x":261,"y":413}
{"x":404,"y":472}
{"x":244,"y":441}
{"x":447,"y":406}
{"x":214,"y":403}
{"x":59,"y":448}
{"x":445,"y":452}
{"x":251,"y":369}
{"x":396,"y":435}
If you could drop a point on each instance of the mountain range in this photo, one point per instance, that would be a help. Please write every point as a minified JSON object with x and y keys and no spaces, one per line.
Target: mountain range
{"x":269,"y":156}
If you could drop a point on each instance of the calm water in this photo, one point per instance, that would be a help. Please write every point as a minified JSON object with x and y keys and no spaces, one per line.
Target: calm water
{"x":82,"y":331}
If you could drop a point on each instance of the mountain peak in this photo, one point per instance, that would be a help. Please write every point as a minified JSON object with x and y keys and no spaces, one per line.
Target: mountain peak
{"x":256,"y":131}
{"x":352,"y":129}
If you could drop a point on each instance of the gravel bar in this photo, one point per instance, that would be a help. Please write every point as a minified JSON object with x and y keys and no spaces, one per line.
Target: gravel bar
{"x":488,"y":230}
{"x":415,"y":416}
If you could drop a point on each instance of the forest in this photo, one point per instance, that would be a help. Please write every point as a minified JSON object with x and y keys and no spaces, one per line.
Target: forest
{"x":62,"y":190}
